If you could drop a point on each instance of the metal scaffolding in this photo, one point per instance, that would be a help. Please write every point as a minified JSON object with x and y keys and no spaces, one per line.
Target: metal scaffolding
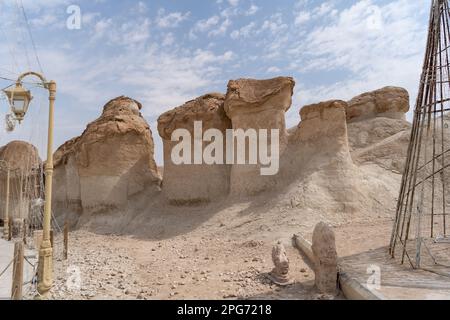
{"x":421,"y":235}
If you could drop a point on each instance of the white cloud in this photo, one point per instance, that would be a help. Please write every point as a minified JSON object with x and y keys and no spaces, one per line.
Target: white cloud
{"x":121,"y":33}
{"x":207,"y":24}
{"x":233,"y":3}
{"x":302,"y":17}
{"x":372,"y":43}
{"x":275,"y":24}
{"x":252,"y":10}
{"x":244,"y":32}
{"x":273,"y":70}
{"x":44,"y":21}
{"x":222,"y":29}
{"x":171,"y":20}
{"x":168,"y":39}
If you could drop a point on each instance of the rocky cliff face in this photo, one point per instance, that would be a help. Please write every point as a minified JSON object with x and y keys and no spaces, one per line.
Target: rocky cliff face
{"x":321,"y":135}
{"x":109,"y":163}
{"x":341,"y":163}
{"x":25,"y":170}
{"x":388,"y":102}
{"x":378,"y":132}
{"x":260,"y":105}
{"x":190,"y":182}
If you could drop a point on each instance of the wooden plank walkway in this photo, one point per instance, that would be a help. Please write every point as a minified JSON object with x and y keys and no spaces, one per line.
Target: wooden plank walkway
{"x":399,"y":282}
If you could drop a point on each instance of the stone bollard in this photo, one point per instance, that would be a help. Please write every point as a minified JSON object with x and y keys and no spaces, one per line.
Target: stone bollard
{"x":325,"y":256}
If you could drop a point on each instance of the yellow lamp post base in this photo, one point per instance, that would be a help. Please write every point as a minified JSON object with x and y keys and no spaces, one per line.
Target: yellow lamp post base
{"x":45,"y":276}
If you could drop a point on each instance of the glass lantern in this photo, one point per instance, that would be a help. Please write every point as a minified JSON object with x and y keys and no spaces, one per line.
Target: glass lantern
{"x":19,"y":99}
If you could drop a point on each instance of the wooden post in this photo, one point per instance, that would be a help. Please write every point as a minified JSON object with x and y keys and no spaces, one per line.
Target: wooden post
{"x":66,"y":240}
{"x":16,"y":290}
{"x":10,"y":229}
{"x":51,"y":238}
{"x":25,"y":229}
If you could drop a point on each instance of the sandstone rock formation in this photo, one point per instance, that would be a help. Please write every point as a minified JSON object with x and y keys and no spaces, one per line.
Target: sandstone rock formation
{"x":377,"y":129}
{"x":318,"y":163}
{"x":257,"y":104}
{"x":280,"y":273}
{"x":325,"y":264}
{"x":109,"y":163}
{"x":195,"y":182}
{"x":25,"y":170}
{"x":321,"y":137}
{"x":388,"y":102}
{"x":332,"y":166}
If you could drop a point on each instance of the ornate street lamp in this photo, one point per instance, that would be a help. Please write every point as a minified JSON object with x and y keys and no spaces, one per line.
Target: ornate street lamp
{"x":6,"y":235}
{"x":19,"y":100}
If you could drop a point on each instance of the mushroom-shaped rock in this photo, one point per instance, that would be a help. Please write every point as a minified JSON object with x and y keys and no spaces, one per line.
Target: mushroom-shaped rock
{"x":325,"y":256}
{"x":389,"y":102}
{"x":25,"y":166}
{"x":378,"y":131}
{"x":110,"y":162}
{"x":257,"y":106}
{"x":198,"y":173}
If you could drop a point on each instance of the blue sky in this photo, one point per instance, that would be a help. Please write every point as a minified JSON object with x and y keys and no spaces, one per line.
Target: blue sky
{"x":164,"y":53}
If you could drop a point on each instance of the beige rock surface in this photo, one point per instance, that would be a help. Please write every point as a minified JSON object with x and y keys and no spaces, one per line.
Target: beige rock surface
{"x":321,"y":135}
{"x":109,"y":163}
{"x":280,"y":273}
{"x":25,"y":165}
{"x":325,"y":254}
{"x":377,"y":129}
{"x":318,"y":161}
{"x":388,"y":102}
{"x":194,"y":183}
{"x":257,"y":104}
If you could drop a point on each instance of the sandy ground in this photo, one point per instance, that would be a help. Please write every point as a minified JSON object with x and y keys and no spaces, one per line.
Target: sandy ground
{"x":191,"y":266}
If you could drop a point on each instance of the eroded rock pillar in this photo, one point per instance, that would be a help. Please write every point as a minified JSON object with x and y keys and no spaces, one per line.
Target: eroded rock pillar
{"x":255,"y":106}
{"x":201,"y":173}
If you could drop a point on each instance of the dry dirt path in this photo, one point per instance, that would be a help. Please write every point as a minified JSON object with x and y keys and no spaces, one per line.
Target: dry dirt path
{"x":192,"y":266}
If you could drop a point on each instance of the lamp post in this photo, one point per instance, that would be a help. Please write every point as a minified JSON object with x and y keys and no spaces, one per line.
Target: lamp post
{"x":19,"y":100}
{"x":6,"y":218}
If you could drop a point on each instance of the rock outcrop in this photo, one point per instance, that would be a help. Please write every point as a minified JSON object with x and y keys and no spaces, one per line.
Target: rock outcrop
{"x":25,"y":174}
{"x":195,"y":180}
{"x":257,"y":104}
{"x":321,"y":137}
{"x":109,"y":163}
{"x":319,"y":158}
{"x":388,"y":102}
{"x":377,"y":129}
